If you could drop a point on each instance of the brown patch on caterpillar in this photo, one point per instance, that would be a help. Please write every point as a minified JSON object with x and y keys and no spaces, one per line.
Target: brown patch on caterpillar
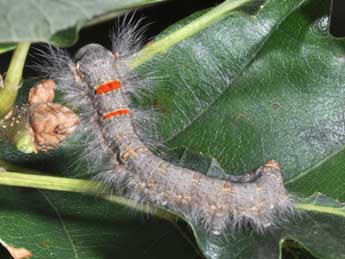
{"x":196,"y":179}
{"x":227,"y":187}
{"x":162,"y":168}
{"x":127,"y":152}
{"x":272,"y":164}
{"x":183,"y":199}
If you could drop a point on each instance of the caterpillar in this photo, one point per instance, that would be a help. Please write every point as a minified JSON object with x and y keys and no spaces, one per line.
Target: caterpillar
{"x":98,"y":84}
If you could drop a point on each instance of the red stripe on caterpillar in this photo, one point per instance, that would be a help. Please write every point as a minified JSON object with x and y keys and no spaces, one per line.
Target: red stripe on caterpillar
{"x":108,"y":87}
{"x":117,"y":112}
{"x":133,"y":170}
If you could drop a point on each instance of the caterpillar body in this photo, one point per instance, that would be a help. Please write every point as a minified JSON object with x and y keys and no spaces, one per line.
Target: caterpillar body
{"x":98,"y":84}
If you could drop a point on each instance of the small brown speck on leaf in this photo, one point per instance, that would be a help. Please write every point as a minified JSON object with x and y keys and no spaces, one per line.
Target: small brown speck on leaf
{"x":159,"y":107}
{"x":275,"y":106}
{"x":17,"y":253}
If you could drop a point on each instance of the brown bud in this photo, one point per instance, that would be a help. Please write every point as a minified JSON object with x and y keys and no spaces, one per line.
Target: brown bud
{"x":52,"y":123}
{"x":42,"y":92}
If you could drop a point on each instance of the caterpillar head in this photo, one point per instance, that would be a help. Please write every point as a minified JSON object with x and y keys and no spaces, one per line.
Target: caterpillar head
{"x":95,"y":64}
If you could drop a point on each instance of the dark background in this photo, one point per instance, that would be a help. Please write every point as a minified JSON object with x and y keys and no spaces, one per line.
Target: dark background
{"x":337,"y":24}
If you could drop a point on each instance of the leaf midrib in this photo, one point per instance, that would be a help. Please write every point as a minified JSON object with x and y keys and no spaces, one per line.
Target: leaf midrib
{"x":64,"y":228}
{"x":315,"y":166}
{"x":340,"y":212}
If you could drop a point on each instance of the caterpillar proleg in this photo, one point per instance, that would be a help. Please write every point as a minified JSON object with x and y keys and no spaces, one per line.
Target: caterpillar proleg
{"x":98,"y":84}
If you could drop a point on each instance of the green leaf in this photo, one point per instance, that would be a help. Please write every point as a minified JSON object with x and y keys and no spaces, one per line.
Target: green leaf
{"x":6,"y":47}
{"x":57,"y":22}
{"x":320,"y":224}
{"x":62,"y":225}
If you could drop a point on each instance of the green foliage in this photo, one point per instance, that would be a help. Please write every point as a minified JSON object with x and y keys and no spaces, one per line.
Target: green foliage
{"x":6,"y":47}
{"x":61,"y":225}
{"x":279,"y":84}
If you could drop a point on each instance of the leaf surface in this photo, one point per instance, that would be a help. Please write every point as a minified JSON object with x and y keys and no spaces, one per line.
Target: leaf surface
{"x":63,"y":225}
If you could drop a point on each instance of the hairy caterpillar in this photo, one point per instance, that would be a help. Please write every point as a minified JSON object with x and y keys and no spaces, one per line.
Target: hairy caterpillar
{"x":98,"y":84}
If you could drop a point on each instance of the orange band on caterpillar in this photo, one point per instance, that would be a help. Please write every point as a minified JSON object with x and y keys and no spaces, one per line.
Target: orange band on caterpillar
{"x":108,"y":87}
{"x":117,"y":112}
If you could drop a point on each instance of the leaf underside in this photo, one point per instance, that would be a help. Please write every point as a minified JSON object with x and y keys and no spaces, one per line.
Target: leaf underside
{"x":57,"y":22}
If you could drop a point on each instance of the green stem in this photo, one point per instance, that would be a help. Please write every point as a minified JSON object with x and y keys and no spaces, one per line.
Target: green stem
{"x":47,"y":182}
{"x":90,"y":187}
{"x":8,"y":92}
{"x":209,"y":18}
{"x":75,"y":185}
{"x":19,"y":134}
{"x":319,"y":208}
